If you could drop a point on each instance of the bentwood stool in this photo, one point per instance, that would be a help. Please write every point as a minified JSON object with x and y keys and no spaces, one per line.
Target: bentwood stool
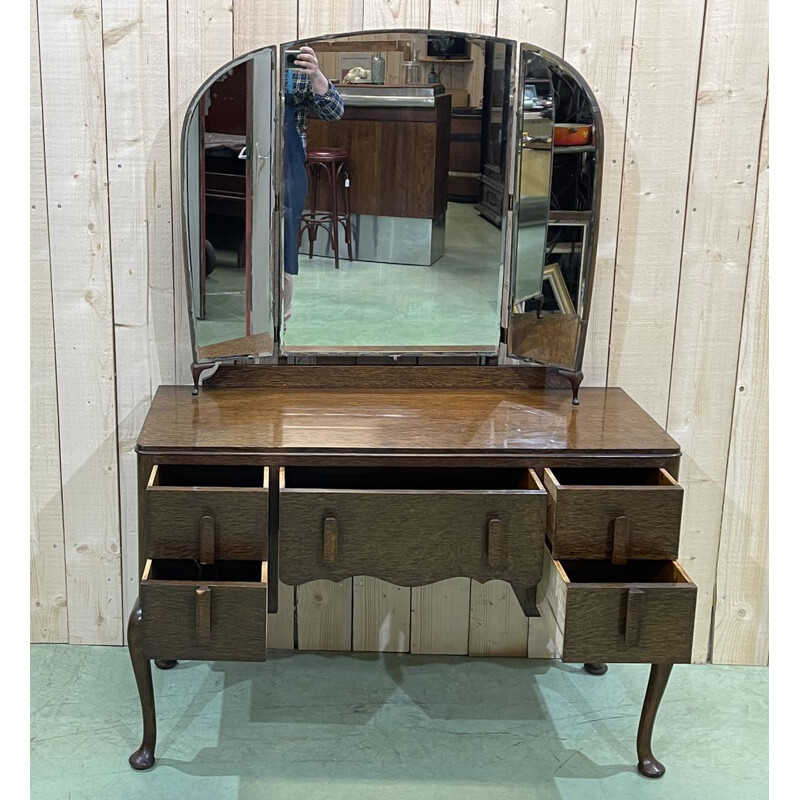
{"x":332,"y":162}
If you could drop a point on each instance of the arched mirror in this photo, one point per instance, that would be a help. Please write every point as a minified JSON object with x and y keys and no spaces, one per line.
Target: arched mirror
{"x":416,"y":193}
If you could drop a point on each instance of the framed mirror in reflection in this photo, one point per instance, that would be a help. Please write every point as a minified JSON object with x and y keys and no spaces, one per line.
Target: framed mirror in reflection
{"x":350,"y":195}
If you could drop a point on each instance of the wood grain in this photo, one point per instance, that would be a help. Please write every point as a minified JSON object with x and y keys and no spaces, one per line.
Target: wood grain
{"x":75,"y":141}
{"x":497,"y":626}
{"x":280,"y":625}
{"x":381,"y":616}
{"x":321,"y":19}
{"x":498,"y":423}
{"x":396,"y":14}
{"x":741,"y":609}
{"x":440,"y":617}
{"x":325,"y":615}
{"x":537,"y":22}
{"x":666,"y":57}
{"x":139,"y":195}
{"x":48,"y":579}
{"x":256,"y":24}
{"x":479,"y":16}
{"x":598,"y":43}
{"x":727,"y":135}
{"x":581,"y":516}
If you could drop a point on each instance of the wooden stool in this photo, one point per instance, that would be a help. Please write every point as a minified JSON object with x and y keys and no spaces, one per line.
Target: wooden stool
{"x":332,"y":161}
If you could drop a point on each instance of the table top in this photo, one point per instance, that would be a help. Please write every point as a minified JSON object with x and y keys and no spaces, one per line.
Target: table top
{"x":414,"y":421}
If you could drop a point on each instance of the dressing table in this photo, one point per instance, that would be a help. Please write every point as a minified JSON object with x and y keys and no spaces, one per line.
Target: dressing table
{"x":426,"y":467}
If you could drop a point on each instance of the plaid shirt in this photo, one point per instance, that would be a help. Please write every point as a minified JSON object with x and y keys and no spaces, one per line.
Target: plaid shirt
{"x":326,"y":106}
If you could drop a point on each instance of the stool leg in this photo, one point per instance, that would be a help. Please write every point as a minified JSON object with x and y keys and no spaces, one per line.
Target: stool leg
{"x":312,"y":228}
{"x":347,"y":232}
{"x":333,"y":172}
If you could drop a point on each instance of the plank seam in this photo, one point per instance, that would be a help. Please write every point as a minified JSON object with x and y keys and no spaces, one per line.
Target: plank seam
{"x":52,"y":316}
{"x":710,"y":656}
{"x":621,"y":188}
{"x":686,"y":213}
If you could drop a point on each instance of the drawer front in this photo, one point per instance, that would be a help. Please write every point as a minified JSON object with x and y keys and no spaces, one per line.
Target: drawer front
{"x":207,"y":523}
{"x":613,"y":520}
{"x":205,"y":620}
{"x":412,"y":538}
{"x":608,"y":618}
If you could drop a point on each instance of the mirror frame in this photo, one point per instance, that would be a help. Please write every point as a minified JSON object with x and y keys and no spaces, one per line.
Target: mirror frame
{"x":442,"y":355}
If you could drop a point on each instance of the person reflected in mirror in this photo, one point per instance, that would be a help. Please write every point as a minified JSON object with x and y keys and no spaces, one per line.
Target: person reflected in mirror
{"x":305,"y":88}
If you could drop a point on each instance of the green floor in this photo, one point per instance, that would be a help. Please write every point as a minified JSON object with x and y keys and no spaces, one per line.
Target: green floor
{"x":312,"y":726}
{"x":454,"y":302}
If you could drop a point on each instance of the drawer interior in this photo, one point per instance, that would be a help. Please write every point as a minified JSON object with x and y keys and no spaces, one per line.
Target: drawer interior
{"x":202,"y":475}
{"x":613,"y":476}
{"x":410,"y":479}
{"x":586,"y":571}
{"x":167,"y":569}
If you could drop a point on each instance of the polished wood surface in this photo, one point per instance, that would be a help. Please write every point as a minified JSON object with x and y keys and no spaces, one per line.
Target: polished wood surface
{"x":613,"y":513}
{"x":397,"y":158}
{"x":396,"y":421}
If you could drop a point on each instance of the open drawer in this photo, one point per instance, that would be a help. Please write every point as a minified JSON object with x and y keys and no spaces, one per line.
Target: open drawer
{"x":204,"y":612}
{"x":613,"y":513}
{"x":642,"y":611}
{"x":208,"y":513}
{"x":411,"y":526}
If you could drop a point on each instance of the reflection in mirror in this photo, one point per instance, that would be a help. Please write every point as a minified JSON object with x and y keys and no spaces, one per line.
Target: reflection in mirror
{"x":395,"y":246}
{"x":550,"y":307}
{"x":229,"y":205}
{"x":534,"y":146}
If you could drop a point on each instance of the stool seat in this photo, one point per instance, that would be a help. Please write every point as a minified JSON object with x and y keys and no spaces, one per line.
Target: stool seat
{"x":326,"y":154}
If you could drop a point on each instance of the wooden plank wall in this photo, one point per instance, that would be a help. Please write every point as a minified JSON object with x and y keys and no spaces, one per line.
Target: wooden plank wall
{"x":679,"y":314}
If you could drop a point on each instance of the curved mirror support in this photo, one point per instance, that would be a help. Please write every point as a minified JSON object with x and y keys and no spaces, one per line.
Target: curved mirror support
{"x":350,"y":194}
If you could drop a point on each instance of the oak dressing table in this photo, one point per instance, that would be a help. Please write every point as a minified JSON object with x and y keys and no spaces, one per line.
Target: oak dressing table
{"x":412,"y":463}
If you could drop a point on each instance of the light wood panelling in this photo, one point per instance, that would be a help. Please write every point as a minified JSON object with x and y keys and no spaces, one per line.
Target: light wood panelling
{"x":598,"y":41}
{"x":318,"y":19}
{"x":647,"y":107}
{"x":74,"y":129}
{"x":139,"y":195}
{"x":395,"y":14}
{"x":741,"y":608}
{"x":539,"y":22}
{"x":256,"y":23}
{"x":200,"y":41}
{"x":440,"y":617}
{"x":325,"y":615}
{"x":381,"y":615}
{"x":666,"y":57}
{"x":730,"y":108}
{"x":478,"y":16}
{"x":280,"y":626}
{"x":497,"y":626}
{"x":48,"y":578}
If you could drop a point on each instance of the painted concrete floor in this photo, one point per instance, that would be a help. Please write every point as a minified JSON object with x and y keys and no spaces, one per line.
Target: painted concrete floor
{"x":454,"y":302}
{"x":313,"y":726}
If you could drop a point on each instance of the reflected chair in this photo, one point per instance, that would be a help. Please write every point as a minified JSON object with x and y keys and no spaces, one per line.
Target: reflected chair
{"x":332,"y":162}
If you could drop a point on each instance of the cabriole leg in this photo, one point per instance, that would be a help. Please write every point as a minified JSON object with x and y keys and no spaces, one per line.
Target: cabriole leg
{"x":144,"y":757}
{"x":649,"y":765}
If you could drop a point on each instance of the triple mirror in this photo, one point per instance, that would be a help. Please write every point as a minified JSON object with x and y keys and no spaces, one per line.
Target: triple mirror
{"x":392,"y":193}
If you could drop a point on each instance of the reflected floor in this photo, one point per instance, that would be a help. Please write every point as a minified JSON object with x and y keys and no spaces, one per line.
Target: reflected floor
{"x":308,"y":726}
{"x":454,"y":302}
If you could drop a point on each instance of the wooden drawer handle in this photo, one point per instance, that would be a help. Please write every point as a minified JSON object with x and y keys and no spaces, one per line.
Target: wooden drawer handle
{"x":330,"y":540}
{"x":495,"y":543}
{"x":202,"y":614}
{"x":620,"y":538}
{"x":633,"y":617}
{"x":208,"y":543}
